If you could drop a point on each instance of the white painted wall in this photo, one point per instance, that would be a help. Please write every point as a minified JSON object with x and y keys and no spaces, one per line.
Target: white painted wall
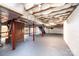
{"x":71,"y":32}
{"x":55,"y":30}
{"x":36,"y":31}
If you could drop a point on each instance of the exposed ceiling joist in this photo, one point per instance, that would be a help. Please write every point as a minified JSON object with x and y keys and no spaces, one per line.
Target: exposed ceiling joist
{"x":43,"y":10}
{"x":47,"y":6}
{"x":31,"y":7}
{"x":50,"y":9}
{"x":58,"y":15}
{"x":47,"y":17}
{"x":62,"y":9}
{"x":43,"y":6}
{"x":71,"y":11}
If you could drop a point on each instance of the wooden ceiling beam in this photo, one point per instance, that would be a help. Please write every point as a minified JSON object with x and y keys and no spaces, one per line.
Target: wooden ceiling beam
{"x":71,"y":12}
{"x":62,"y":9}
{"x":53,"y":15}
{"x":31,"y":7}
{"x":62,"y":13}
{"x":45,"y":10}
{"x":42,"y":10}
{"x":72,"y":6}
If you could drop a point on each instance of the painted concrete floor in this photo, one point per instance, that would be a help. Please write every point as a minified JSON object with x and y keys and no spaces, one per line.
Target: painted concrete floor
{"x":49,"y":45}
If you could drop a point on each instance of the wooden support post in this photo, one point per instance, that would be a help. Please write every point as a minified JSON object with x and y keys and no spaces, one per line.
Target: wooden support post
{"x":29,"y":30}
{"x":13,"y":36}
{"x":33,"y":33}
{"x":42,"y":34}
{"x":7,"y":39}
{"x":0,"y":31}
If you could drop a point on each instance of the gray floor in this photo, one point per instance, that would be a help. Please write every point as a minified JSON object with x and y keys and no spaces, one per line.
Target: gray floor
{"x":49,"y":45}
